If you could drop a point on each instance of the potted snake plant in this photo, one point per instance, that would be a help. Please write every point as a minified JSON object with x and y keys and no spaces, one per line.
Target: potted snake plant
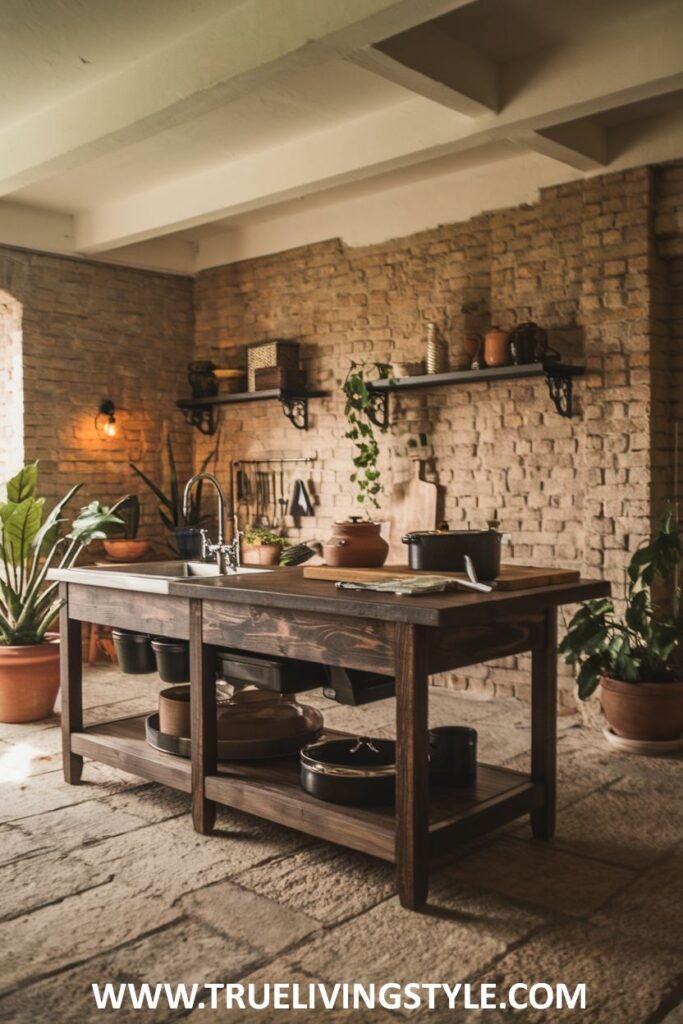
{"x":636,"y":658}
{"x":32,"y":543}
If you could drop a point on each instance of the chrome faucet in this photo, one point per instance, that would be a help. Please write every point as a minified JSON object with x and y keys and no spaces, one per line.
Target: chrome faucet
{"x":227,"y":555}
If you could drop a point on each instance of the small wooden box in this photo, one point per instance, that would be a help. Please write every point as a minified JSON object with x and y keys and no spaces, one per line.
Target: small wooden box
{"x":280,"y":352}
{"x":268,"y":377}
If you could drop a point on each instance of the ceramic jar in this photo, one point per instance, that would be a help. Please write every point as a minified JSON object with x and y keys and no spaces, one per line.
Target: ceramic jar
{"x":496,"y":347}
{"x":355,"y":543}
{"x":437,"y":350}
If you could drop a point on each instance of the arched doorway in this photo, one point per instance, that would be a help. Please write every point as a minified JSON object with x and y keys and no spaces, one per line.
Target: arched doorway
{"x":11,"y":388}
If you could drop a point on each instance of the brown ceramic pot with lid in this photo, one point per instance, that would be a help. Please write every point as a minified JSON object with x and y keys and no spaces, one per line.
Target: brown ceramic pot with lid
{"x":496,"y":347}
{"x":356,"y":543}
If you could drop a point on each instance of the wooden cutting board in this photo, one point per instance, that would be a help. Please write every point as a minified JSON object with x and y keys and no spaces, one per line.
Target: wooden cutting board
{"x":512,"y":577}
{"x":412,"y":507}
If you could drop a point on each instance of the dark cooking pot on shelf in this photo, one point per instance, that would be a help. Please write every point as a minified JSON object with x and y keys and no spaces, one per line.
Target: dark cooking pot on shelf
{"x":445,"y":550}
{"x":350,"y":771}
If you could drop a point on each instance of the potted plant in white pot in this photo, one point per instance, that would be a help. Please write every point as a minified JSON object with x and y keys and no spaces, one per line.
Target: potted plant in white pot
{"x":637,"y":658}
{"x":31,"y":545}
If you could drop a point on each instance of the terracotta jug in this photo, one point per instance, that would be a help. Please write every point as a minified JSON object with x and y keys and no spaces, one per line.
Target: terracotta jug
{"x":496,"y":348}
{"x":356,"y":543}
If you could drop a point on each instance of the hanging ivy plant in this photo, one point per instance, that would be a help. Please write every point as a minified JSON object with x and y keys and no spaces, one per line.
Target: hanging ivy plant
{"x":361,"y":414}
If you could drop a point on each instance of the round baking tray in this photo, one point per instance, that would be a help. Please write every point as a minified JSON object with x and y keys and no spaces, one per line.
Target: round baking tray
{"x":237,"y":750}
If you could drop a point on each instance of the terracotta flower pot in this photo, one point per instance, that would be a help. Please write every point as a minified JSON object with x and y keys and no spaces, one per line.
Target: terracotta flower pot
{"x":357,"y":544}
{"x":496,"y":347}
{"x":29,"y":681}
{"x":261,"y":554}
{"x":121,"y":550}
{"x":643,"y":711}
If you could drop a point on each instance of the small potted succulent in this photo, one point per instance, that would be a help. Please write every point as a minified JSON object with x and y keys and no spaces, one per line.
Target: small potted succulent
{"x":636,"y":658}
{"x":122,"y":543}
{"x":261,"y":546}
{"x":30,"y":545}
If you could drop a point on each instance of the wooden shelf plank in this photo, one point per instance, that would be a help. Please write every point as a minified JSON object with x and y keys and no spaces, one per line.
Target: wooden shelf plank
{"x":272,"y":790}
{"x":272,"y":394}
{"x":494,"y":373}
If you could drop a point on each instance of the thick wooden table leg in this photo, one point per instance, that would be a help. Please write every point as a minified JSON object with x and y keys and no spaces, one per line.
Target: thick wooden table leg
{"x":71,"y":674}
{"x":544,"y":726}
{"x":203,"y":721}
{"x":412,"y":780}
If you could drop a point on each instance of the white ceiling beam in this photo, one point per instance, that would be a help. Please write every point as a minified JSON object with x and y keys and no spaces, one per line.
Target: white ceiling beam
{"x":358,"y":148}
{"x":221,"y":60}
{"x":579,"y":144}
{"x":468,"y":80}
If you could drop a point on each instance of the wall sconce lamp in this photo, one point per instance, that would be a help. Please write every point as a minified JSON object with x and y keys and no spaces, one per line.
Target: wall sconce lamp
{"x":108,"y":409}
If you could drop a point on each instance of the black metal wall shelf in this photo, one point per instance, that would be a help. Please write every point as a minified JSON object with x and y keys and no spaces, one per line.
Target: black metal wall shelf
{"x":558,"y":376}
{"x":201,"y":412}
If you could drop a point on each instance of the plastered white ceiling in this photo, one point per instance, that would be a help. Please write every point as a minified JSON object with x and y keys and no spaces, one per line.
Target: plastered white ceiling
{"x":184,"y":133}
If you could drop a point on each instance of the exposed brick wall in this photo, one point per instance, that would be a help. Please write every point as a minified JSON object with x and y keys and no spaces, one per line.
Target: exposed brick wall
{"x":583,"y":263}
{"x":91,"y":331}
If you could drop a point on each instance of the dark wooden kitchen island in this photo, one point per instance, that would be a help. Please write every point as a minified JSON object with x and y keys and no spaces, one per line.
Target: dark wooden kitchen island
{"x":281,"y":613}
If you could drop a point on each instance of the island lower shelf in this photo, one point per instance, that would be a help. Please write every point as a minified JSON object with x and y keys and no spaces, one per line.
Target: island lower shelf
{"x":271,"y":790}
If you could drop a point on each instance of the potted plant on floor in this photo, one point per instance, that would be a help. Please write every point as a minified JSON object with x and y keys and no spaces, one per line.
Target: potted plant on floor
{"x":122,"y":543}
{"x":637,"y":658}
{"x":261,"y":546}
{"x":357,"y":541}
{"x":30,"y":545}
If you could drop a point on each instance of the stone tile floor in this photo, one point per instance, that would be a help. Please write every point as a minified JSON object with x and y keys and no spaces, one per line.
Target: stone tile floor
{"x":108,"y":882}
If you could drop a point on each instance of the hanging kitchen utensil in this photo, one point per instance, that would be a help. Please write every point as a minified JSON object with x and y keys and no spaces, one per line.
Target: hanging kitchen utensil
{"x":282,"y":501}
{"x":300,"y":503}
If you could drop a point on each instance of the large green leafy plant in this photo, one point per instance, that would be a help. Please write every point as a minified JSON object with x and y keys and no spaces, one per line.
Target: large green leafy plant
{"x":361,"y":411}
{"x":30,"y":545}
{"x":646,"y":644}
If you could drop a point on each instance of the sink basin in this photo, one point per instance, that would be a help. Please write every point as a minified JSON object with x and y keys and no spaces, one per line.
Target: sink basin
{"x":150,"y":577}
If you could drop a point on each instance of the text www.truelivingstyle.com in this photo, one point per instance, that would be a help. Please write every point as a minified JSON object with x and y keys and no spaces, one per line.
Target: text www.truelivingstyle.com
{"x":342,"y":995}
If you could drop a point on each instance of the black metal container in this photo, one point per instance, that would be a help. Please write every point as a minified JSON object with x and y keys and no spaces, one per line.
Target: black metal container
{"x":134,"y":652}
{"x":445,"y":550}
{"x":172,"y":659}
{"x":282,"y":675}
{"x":350,"y":771}
{"x":453,"y":755}
{"x":189,"y":542}
{"x":352,"y":686}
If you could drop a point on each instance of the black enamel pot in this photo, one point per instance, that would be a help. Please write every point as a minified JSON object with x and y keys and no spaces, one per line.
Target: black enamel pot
{"x":350,"y":771}
{"x":445,"y":550}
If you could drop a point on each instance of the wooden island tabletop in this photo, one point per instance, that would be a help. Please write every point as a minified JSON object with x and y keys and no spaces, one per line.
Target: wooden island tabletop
{"x":287,"y":588}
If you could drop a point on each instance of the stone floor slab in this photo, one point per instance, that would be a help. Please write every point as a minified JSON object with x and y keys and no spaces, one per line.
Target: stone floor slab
{"x":168,"y":859}
{"x":632,"y":831}
{"x":63,"y":934}
{"x":650,"y":908}
{"x":462,"y":932}
{"x":626,"y":982}
{"x":36,"y":881}
{"x":184,"y":953}
{"x":539,"y":874}
{"x":325,"y":882}
{"x":244,"y":916}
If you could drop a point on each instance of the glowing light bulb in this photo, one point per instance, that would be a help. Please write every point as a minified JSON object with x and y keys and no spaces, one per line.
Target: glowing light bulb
{"x":110,"y":426}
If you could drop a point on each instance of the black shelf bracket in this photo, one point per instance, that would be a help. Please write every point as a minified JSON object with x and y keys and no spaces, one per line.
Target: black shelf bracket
{"x":560,"y":391}
{"x":378,"y":410}
{"x":203,"y":417}
{"x":296,"y":410}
